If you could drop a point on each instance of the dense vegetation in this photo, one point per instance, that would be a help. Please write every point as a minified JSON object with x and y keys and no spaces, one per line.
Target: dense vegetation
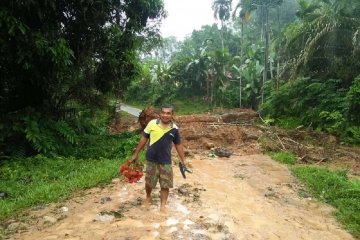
{"x":297,"y":62}
{"x":60,"y":61}
{"x":64,"y":65}
{"x":294,"y":60}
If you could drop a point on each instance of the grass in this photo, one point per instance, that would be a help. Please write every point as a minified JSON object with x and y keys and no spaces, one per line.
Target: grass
{"x":283,"y":157}
{"x":335,"y":188}
{"x":332,"y":187}
{"x":40,"y":180}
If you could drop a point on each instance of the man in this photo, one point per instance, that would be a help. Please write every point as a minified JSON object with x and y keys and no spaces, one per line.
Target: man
{"x":161,"y":133}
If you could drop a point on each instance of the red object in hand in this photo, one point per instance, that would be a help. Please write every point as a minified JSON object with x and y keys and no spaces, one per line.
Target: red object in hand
{"x":132,"y":171}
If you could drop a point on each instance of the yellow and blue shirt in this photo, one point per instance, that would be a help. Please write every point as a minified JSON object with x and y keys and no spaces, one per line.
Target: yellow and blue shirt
{"x":161,"y":139}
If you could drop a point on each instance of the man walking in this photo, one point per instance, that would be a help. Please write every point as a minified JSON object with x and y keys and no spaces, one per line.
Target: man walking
{"x":161,"y":134}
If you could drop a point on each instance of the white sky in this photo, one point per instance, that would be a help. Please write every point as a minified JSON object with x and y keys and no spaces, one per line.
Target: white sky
{"x":186,"y":15}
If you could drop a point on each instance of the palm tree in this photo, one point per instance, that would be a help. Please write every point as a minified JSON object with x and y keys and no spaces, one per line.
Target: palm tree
{"x":323,"y":43}
{"x":222,"y":9}
{"x":248,"y":6}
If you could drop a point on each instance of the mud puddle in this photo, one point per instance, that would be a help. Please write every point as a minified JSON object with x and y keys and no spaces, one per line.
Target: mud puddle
{"x":241,"y":197}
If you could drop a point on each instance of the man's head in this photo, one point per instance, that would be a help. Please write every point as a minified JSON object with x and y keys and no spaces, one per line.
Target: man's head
{"x":166,"y":113}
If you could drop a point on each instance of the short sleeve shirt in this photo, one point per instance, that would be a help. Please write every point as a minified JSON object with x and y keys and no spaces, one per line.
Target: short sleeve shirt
{"x":161,"y":140}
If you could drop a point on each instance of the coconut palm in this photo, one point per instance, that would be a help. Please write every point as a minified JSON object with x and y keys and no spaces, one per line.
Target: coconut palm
{"x":222,"y":9}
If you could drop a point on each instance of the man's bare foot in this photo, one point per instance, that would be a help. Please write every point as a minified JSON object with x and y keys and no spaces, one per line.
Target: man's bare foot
{"x":147,"y":203}
{"x":163,"y":210}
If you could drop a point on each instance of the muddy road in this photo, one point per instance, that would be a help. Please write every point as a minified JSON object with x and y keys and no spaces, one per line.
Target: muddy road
{"x":244,"y":196}
{"x":240,"y":197}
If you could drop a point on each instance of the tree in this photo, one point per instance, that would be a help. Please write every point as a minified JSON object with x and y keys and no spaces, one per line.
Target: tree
{"x":59,"y":57}
{"x":247,"y":7}
{"x":321,"y":44}
{"x":222,"y":9}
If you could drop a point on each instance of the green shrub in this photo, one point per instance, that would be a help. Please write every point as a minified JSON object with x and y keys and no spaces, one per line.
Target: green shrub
{"x":322,"y":104}
{"x":93,"y":146}
{"x":333,"y":122}
{"x":352,"y":135}
{"x":288,"y":122}
{"x":353,"y":99}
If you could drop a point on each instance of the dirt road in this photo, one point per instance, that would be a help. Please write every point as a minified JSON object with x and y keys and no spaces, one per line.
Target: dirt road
{"x":240,"y":197}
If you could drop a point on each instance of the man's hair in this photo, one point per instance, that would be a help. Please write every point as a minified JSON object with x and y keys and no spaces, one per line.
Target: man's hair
{"x":167,"y":105}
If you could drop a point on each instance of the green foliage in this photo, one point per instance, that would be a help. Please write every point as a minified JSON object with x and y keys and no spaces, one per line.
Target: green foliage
{"x":37,"y":180}
{"x":336,"y":189}
{"x":288,"y":122}
{"x":353,"y":99}
{"x":62,"y":60}
{"x":333,"y":122}
{"x":155,"y":87}
{"x":324,"y":105}
{"x":352,"y":134}
{"x":33,"y":133}
{"x":185,"y":106}
{"x":283,"y":157}
{"x":320,"y":44}
{"x":102,"y":145}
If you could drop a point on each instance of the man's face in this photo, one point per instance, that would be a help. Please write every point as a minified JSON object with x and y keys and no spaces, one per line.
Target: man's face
{"x":166,"y":115}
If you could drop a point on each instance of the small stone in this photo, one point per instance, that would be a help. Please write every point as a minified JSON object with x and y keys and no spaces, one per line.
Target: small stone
{"x":105,"y":199}
{"x":269,"y":194}
{"x":3,"y":195}
{"x":222,"y":152}
{"x":65,"y":209}
{"x":104,"y":217}
{"x":239,"y":175}
{"x":209,"y":145}
{"x":16,"y":226}
{"x":50,"y":219}
{"x":183,"y":191}
{"x":115,"y":180}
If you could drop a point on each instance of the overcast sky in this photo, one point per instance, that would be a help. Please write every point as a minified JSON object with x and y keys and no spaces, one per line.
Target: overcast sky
{"x":186,"y":15}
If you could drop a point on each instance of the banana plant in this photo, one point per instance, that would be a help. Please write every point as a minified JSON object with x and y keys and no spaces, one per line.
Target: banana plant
{"x":250,"y":73}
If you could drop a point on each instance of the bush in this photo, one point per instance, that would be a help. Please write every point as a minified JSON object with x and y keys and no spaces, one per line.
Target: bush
{"x":353,"y":99}
{"x":323,"y":104}
{"x":94,"y":146}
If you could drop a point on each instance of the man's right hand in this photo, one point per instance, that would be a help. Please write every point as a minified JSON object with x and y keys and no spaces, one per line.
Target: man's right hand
{"x":134,"y":158}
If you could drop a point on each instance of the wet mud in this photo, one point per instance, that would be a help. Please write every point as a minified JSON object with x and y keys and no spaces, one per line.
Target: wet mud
{"x":239,"y":197}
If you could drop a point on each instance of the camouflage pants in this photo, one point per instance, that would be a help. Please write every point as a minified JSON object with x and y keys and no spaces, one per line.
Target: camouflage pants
{"x":159,"y":172}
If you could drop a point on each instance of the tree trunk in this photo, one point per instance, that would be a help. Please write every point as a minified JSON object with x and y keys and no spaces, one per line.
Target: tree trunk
{"x":266,"y":53}
{"x":241,"y":60}
{"x":117,"y":110}
{"x":278,"y":58}
{"x":117,"y":90}
{"x":222,"y":36}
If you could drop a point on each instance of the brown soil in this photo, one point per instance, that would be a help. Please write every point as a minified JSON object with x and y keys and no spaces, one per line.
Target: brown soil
{"x":244,"y":196}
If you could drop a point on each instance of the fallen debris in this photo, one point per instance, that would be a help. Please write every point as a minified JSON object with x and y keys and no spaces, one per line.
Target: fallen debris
{"x":146,"y":115}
